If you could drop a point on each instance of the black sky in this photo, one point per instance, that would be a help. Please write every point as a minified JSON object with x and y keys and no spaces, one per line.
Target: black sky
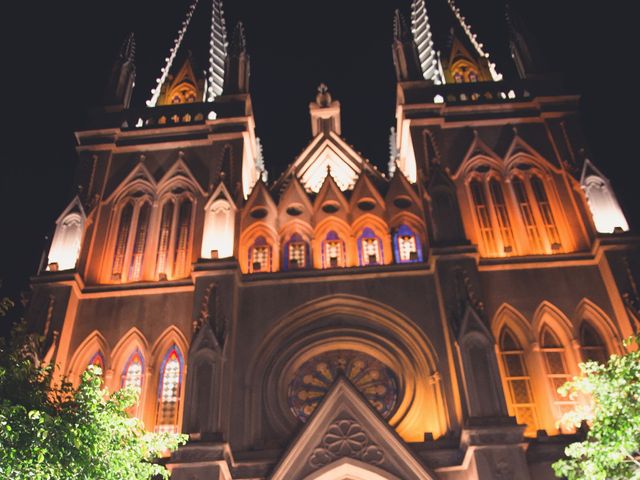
{"x":57,"y":56}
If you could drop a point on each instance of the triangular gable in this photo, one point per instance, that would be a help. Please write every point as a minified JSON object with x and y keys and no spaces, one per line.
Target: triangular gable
{"x":330,"y":193}
{"x":75,"y":206}
{"x":185,"y":74}
{"x":478,"y":148}
{"x":519,"y":146}
{"x":328,"y":151}
{"x":294,"y":195}
{"x":588,"y":170}
{"x":180,"y":169}
{"x":365,"y":189}
{"x":139,"y":173}
{"x":399,"y":193}
{"x":220,"y":193}
{"x":371,"y":445}
{"x":459,"y":52}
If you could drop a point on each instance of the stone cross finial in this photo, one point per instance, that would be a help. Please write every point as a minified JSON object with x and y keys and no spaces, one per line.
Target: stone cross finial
{"x":324,"y":97}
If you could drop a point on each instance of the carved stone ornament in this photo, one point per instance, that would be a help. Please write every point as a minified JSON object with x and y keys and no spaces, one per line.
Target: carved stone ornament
{"x":345,"y":438}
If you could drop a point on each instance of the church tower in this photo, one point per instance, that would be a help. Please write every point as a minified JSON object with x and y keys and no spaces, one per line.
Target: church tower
{"x":342,"y":322}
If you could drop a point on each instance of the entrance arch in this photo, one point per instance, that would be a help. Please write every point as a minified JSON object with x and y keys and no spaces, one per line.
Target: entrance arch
{"x":350,"y":469}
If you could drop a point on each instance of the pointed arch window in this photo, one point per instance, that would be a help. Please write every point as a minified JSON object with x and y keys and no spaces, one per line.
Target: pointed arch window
{"x":502,"y":216}
{"x":182,"y":237}
{"x":544,"y":206}
{"x":333,"y":251}
{"x":132,"y":376}
{"x":526,"y":213}
{"x":122,"y":238}
{"x":164,"y":239}
{"x":260,"y":256}
{"x":97,"y":360}
{"x":483,"y":216}
{"x":406,"y":245}
{"x":556,"y":368}
{"x":296,"y":253}
{"x":175,"y":238}
{"x":169,"y":391}
{"x":592,"y":345}
{"x":370,"y":248}
{"x":520,"y":393}
{"x":137,"y":254}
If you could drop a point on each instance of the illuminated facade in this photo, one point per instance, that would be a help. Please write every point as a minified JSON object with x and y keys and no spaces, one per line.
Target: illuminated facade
{"x":342,"y":322}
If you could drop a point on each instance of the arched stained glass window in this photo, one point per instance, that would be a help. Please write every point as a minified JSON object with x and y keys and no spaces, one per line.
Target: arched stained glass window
{"x":169,"y":387}
{"x":406,"y":245}
{"x":332,"y":251}
{"x":520,"y":393}
{"x":370,"y":248}
{"x":593,"y":347}
{"x":296,"y":253}
{"x":97,"y":360}
{"x":260,"y":256}
{"x":132,"y":376}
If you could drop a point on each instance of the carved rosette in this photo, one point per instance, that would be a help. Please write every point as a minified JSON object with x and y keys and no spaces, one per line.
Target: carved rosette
{"x":345,"y":438}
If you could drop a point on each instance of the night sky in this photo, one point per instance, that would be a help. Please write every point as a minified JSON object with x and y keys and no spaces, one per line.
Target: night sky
{"x":57,"y":56}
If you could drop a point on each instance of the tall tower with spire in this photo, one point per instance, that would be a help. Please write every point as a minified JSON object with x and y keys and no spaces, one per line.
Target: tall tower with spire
{"x":342,"y":322}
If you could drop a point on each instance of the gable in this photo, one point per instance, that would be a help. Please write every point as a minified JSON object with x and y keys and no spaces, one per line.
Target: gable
{"x":346,"y":435}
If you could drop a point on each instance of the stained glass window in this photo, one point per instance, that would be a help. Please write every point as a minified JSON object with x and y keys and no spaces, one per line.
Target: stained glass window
{"x":169,"y":391}
{"x":133,"y":370}
{"x":520,"y":394}
{"x":370,"y":376}
{"x":296,"y":252}
{"x":333,"y":251}
{"x":97,"y":360}
{"x":259,"y":256}
{"x":370,"y":248}
{"x":406,"y":245}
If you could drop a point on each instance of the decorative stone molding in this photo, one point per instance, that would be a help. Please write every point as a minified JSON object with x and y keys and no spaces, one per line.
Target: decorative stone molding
{"x":346,"y":438}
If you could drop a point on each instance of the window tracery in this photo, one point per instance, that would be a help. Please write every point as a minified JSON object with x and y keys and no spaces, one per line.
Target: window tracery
{"x":175,"y":236}
{"x":313,"y":379}
{"x":370,"y":248}
{"x":260,"y":256}
{"x":132,"y":376}
{"x":333,"y":251}
{"x":520,"y":393}
{"x":407,"y":245}
{"x":296,"y":253}
{"x":169,"y":390}
{"x":556,"y":368}
{"x":592,"y":345}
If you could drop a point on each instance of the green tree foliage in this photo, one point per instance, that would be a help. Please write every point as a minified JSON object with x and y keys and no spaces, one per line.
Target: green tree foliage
{"x":611,"y":449}
{"x":62,"y":432}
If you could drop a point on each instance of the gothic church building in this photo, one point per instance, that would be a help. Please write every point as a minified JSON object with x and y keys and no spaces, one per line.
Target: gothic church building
{"x":341,"y":322}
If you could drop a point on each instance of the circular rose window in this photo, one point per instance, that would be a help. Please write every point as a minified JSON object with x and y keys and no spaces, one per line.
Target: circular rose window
{"x":314,"y":378}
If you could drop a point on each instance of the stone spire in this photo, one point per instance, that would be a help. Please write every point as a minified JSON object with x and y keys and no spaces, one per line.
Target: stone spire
{"x":237,"y":66}
{"x":123,"y":74}
{"x":473,"y":38}
{"x":217,"y":52}
{"x":405,"y":54}
{"x":524,"y":49}
{"x":424,"y":42}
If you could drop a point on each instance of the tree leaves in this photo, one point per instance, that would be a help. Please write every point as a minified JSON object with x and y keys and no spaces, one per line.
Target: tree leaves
{"x":59,"y":432}
{"x":611,"y":449}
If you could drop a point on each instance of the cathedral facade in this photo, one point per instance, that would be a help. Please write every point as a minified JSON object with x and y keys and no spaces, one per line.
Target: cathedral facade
{"x":341,"y":322}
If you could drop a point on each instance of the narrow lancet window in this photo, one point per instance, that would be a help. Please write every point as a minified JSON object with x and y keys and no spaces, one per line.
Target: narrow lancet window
{"x":296,"y":253}
{"x":502,"y":215}
{"x":133,"y":372}
{"x":260,"y":256}
{"x":182,"y":239}
{"x":163,"y":240}
{"x":593,"y":347}
{"x":533,"y":235}
{"x":137,"y":254}
{"x":169,"y":391}
{"x":520,"y":393}
{"x":546,"y":213}
{"x":556,"y":366}
{"x":483,"y":217}
{"x":122,"y":238}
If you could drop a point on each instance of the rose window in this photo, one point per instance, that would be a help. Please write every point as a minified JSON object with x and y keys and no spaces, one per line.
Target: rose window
{"x":370,"y":376}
